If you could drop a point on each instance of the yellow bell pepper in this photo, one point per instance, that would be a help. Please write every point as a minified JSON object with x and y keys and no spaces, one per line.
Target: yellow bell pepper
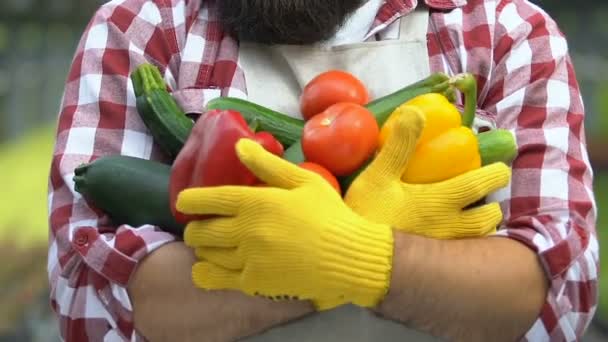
{"x":440,"y":115}
{"x":447,"y":146}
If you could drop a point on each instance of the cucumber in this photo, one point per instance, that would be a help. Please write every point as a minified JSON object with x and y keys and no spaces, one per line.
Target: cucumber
{"x":168,"y":124}
{"x":383,"y":107}
{"x":284,"y":128}
{"x":129,"y":190}
{"x":497,"y":146}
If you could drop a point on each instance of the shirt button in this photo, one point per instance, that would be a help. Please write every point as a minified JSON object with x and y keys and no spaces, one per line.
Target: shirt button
{"x":82,"y":238}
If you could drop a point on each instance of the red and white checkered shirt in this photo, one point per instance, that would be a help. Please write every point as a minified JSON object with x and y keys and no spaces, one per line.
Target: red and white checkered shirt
{"x":527,"y":85}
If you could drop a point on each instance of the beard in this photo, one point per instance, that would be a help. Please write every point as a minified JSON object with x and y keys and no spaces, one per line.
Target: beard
{"x":284,"y":21}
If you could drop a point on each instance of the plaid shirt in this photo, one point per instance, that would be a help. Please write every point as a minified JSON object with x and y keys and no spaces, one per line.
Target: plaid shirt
{"x":527,"y":85}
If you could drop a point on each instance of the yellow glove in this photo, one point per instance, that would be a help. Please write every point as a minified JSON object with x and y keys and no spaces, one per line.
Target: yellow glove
{"x":433,"y":210}
{"x":295,"y":239}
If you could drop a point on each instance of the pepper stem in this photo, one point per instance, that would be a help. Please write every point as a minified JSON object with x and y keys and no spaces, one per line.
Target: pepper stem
{"x":467,"y":84}
{"x":450,"y":94}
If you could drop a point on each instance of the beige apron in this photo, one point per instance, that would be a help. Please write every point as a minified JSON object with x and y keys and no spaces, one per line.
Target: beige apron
{"x":275,"y":76}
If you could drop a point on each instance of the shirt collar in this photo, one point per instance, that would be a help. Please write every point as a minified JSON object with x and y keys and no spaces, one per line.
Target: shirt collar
{"x":394,"y":9}
{"x":402,"y":7}
{"x":445,"y":4}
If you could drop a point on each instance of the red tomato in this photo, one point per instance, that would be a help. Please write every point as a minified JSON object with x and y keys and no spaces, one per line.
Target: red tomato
{"x":316,"y":168}
{"x":341,"y":138}
{"x":330,"y":88}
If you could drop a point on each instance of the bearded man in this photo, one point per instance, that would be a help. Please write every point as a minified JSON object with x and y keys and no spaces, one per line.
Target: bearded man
{"x":366,"y":268}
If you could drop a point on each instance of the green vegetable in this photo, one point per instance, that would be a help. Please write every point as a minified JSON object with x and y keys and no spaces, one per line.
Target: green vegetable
{"x":383,"y":107}
{"x":284,"y":128}
{"x":168,"y":124}
{"x":129,"y":190}
{"x":496,"y":146}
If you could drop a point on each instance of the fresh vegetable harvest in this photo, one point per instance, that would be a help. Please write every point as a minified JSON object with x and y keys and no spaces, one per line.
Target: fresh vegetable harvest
{"x":323,"y":172}
{"x":341,"y":138}
{"x":97,"y":180}
{"x":383,"y":107}
{"x":129,"y":190}
{"x":209,"y":156}
{"x":329,"y":88}
{"x":170,"y":126}
{"x":146,"y":183}
{"x":167,"y":123}
{"x":147,"y":199}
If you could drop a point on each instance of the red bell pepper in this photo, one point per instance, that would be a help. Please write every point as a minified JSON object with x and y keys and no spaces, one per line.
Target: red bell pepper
{"x":209,"y":157}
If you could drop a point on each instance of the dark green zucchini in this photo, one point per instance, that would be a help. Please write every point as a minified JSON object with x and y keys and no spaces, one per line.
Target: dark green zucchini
{"x":129,"y":190}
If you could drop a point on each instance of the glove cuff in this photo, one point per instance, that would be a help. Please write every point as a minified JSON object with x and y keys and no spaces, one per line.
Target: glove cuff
{"x":358,"y":265}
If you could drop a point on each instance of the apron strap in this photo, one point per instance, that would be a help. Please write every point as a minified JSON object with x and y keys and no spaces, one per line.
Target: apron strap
{"x":416,"y":27}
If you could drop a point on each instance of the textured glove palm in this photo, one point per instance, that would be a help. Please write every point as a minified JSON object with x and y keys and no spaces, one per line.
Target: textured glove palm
{"x":433,"y":210}
{"x":295,"y":239}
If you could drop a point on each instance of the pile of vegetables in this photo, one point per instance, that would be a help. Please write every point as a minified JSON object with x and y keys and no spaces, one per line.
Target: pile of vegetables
{"x":340,"y":134}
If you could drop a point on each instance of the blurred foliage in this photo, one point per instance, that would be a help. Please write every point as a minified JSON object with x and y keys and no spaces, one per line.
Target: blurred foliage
{"x":601,"y":98}
{"x":23,"y":207}
{"x":23,"y":281}
{"x":601,"y":192}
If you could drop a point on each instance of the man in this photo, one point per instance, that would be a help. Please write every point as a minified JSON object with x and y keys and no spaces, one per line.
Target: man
{"x":536,"y":279}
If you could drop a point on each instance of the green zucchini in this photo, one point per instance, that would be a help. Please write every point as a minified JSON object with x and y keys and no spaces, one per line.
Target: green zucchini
{"x":497,"y":146}
{"x":168,"y":124}
{"x":129,"y":190}
{"x":284,"y":128}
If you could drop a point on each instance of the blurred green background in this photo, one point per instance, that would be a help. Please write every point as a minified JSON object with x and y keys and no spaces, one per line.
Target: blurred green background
{"x":37,"y":41}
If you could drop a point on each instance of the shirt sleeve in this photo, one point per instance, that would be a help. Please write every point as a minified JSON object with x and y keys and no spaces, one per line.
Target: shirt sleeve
{"x":549,"y":205}
{"x":91,"y":261}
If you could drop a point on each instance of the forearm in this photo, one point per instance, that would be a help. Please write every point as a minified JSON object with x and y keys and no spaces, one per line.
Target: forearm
{"x":167,"y":306}
{"x":473,"y":290}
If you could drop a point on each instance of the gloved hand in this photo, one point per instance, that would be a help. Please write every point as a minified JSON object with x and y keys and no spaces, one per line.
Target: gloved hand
{"x":433,"y":210}
{"x":294,"y":239}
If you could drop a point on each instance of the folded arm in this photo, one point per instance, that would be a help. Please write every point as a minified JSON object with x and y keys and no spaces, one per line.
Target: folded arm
{"x":93,"y":263}
{"x":539,"y":279}
{"x":168,"y":307}
{"x":465,"y":290}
